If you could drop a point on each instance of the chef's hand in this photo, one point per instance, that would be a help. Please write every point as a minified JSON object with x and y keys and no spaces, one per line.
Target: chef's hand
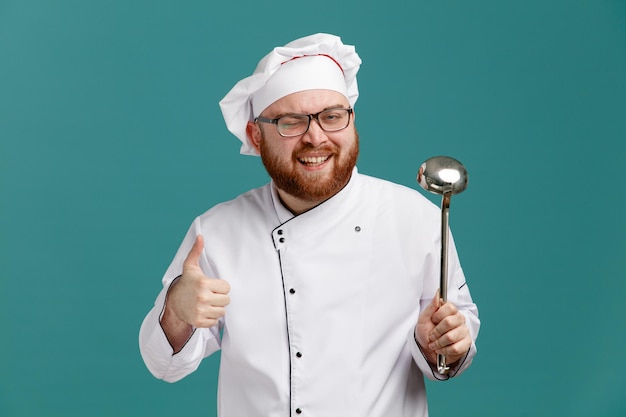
{"x":441,"y":329}
{"x":194,"y":300}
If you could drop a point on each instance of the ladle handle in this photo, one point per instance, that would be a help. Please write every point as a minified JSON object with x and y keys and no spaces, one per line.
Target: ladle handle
{"x":442,"y":368}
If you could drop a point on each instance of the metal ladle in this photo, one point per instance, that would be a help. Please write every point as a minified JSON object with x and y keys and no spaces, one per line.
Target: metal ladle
{"x":444,"y":176}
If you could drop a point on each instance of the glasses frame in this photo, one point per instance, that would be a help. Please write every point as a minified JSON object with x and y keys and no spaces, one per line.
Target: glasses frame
{"x":310,"y":117}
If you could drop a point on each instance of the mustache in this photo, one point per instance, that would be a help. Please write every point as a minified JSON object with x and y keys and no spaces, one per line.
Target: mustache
{"x":324,"y":148}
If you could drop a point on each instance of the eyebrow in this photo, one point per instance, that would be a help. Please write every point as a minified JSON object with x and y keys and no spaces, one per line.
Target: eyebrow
{"x":335,"y":106}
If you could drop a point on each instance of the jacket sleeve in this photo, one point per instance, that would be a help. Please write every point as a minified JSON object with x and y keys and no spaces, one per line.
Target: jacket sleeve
{"x":156,"y":351}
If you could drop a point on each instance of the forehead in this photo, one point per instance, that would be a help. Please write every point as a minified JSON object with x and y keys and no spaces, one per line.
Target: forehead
{"x":305,"y":102}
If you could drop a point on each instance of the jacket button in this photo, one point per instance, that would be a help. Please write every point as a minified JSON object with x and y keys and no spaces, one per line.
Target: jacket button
{"x":292,"y":291}
{"x":280,"y":232}
{"x":299,"y":355}
{"x":281,"y":240}
{"x":298,"y":411}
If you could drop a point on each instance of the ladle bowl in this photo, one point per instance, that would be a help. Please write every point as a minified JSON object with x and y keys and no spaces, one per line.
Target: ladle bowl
{"x":442,"y":174}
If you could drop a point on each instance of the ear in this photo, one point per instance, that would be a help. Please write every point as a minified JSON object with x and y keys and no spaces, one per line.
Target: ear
{"x":254,"y":134}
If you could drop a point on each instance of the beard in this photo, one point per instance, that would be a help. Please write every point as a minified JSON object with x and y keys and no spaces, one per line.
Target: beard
{"x":311,"y":187}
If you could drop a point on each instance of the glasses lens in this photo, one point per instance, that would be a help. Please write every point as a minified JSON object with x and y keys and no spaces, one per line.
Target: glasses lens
{"x":292,"y":125}
{"x":334,"y":119}
{"x":330,"y":120}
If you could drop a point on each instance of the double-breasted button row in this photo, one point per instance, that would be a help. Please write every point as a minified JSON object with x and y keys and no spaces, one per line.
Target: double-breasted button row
{"x":281,"y":236}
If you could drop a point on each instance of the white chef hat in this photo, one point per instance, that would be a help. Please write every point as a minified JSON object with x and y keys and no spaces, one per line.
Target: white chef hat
{"x":319,"y":61}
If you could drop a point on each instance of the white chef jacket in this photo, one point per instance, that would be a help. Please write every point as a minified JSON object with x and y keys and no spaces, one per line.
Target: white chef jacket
{"x":323,"y":304}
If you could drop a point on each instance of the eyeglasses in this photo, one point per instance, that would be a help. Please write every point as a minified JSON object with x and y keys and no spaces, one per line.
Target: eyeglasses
{"x":330,"y":120}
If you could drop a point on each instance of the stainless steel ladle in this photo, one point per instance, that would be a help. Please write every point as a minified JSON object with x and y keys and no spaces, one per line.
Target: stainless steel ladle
{"x":444,"y":176}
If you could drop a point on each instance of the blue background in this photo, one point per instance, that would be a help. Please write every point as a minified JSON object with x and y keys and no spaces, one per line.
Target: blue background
{"x":111,"y":142}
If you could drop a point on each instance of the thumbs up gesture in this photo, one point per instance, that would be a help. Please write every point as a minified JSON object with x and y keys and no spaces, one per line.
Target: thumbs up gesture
{"x":194,"y":300}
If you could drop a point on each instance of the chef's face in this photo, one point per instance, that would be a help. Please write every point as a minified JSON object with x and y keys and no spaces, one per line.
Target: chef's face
{"x":316,"y":165}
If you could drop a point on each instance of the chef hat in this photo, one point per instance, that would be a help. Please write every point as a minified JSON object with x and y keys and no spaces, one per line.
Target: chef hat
{"x":319,"y":61}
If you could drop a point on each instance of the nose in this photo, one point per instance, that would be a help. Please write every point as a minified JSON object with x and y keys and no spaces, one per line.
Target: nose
{"x":315,"y":135}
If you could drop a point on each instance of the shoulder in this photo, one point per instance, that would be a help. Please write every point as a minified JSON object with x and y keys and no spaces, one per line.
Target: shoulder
{"x":389,"y":193}
{"x":249,"y":206}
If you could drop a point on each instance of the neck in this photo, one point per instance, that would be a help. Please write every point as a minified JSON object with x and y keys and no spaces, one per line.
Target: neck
{"x":298,"y":205}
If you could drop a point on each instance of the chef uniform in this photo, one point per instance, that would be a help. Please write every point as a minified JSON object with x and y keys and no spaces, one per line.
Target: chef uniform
{"x":323,"y":304}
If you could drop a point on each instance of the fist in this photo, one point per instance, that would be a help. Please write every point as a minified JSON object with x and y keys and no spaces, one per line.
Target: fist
{"x":441,"y":329}
{"x":195,"y":299}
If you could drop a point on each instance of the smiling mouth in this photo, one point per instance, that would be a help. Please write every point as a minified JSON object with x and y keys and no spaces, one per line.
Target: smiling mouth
{"x":312,"y":161}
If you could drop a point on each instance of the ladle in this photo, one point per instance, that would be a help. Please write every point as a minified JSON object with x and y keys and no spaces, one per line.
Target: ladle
{"x":444,"y":176}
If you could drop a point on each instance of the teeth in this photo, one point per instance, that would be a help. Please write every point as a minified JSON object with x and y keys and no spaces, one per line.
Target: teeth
{"x":313,"y":160}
